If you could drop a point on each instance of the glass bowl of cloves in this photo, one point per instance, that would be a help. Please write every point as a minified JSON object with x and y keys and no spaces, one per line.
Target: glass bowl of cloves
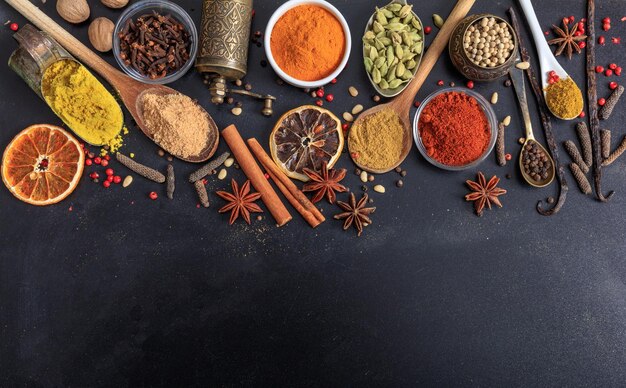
{"x":155,"y":41}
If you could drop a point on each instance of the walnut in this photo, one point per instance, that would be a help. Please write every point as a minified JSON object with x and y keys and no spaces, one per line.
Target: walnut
{"x":101,"y":34}
{"x":74,"y":11}
{"x":115,"y":3}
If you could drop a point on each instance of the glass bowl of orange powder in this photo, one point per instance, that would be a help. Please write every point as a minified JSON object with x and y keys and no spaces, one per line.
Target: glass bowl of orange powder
{"x":455,"y":128}
{"x":307,"y":42}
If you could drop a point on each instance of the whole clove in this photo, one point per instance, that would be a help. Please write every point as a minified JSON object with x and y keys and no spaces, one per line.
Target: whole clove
{"x":585,"y":142}
{"x":208,"y":168}
{"x":155,"y":45}
{"x":140,"y":169}
{"x":170,"y":179}
{"x":500,"y":152}
{"x":581,"y":179}
{"x":605,"y":143}
{"x":572,"y":150}
{"x":203,"y":196}
{"x":615,"y":154}
{"x":609,"y":105}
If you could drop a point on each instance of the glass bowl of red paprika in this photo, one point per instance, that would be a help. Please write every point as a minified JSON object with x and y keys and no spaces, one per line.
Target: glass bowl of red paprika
{"x":455,"y":128}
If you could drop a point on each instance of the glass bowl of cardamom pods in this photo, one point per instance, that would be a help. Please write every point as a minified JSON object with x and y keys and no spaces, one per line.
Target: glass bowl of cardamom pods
{"x":393,"y":44}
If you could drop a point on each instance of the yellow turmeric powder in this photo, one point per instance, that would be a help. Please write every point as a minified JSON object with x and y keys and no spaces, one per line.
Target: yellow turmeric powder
{"x":308,"y":42}
{"x":82,"y":102}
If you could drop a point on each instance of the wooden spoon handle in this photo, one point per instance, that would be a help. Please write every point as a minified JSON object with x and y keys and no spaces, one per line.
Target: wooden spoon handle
{"x":65,"y":39}
{"x":405,"y":99}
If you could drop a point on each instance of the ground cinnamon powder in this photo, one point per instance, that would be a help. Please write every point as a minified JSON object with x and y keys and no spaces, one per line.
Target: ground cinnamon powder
{"x":308,"y":42}
{"x":177,"y":123}
{"x":454,"y":129}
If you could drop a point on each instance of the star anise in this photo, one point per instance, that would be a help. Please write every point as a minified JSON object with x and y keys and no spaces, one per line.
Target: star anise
{"x":355,"y":213}
{"x":240,"y":202}
{"x":567,"y":39}
{"x":484,"y":193}
{"x":325,"y":183}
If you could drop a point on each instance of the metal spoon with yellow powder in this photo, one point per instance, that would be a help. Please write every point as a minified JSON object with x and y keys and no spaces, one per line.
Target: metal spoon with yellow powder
{"x":82,"y":102}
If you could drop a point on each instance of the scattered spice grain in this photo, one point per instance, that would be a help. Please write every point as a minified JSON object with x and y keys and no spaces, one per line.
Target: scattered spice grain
{"x":170,"y":179}
{"x":203,"y":196}
{"x":140,"y":169}
{"x":580,"y":178}
{"x":209,"y":167}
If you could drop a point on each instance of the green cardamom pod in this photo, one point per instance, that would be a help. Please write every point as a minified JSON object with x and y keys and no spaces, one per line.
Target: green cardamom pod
{"x":394,"y":20}
{"x":391,"y":73}
{"x":368,"y":64}
{"x":407,"y":75}
{"x":379,"y":62}
{"x":384,"y":40}
{"x":376,"y":77}
{"x":438,"y":20}
{"x":416,"y":24}
{"x":389,"y":55}
{"x":406,"y":38}
{"x":384,"y":69}
{"x":378,"y":44}
{"x":399,"y":51}
{"x":383,"y":84}
{"x":388,"y":14}
{"x":377,"y":27}
{"x":407,"y":19}
{"x":396,"y":38}
{"x":408,"y":56}
{"x":415,"y":37}
{"x":373,"y":53}
{"x":417,"y":47}
{"x":395,"y":27}
{"x":405,"y":10}
{"x":369,"y":35}
{"x":395,"y":83}
{"x":380,"y":18}
{"x":395,"y":61}
{"x":410,"y":65}
{"x":395,"y":7}
{"x":400,"y":69}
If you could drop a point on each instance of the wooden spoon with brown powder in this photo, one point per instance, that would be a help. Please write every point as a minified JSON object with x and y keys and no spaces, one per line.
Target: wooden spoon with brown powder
{"x":130,"y":91}
{"x":401,"y":104}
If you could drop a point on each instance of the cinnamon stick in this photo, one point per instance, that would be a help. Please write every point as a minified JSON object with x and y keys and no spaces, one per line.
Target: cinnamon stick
{"x":253,"y":172}
{"x":296,"y":197}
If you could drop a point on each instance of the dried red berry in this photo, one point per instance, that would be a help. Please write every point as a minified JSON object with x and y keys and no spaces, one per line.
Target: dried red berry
{"x":508,"y":156}
{"x":94,"y":175}
{"x":427,"y":30}
{"x":319,"y":93}
{"x":440,"y":82}
{"x":602,"y":40}
{"x":470,"y":84}
{"x":608,"y":72}
{"x":612,"y":66}
{"x":108,"y":171}
{"x":417,"y":104}
{"x":582,"y":44}
{"x":117,"y":179}
{"x":601,"y":101}
{"x":599,"y":69}
{"x":110,"y":178}
{"x":606,"y":20}
{"x":333,"y":81}
{"x":618,"y":71}
{"x":578,"y":33}
{"x":613,"y":85}
{"x":14,"y":26}
{"x":319,"y":102}
{"x":616,"y":40}
{"x":581,"y":26}
{"x":572,"y":19}
{"x":582,"y":114}
{"x":88,"y":162}
{"x":97,"y":160}
{"x":330,"y":97}
{"x":153,"y":195}
{"x":106,"y":184}
{"x":606,"y":26}
{"x":104,"y":162}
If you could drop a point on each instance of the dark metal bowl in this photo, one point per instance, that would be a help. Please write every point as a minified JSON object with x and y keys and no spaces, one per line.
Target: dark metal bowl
{"x":464,"y":64}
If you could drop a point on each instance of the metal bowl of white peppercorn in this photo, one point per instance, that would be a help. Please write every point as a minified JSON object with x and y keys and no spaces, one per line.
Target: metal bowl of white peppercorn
{"x":483,"y":47}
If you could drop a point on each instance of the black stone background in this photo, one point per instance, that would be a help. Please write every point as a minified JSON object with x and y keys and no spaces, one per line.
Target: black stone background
{"x":125,"y":291}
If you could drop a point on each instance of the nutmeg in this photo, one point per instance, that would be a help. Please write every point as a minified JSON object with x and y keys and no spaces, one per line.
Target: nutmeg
{"x":101,"y":34}
{"x":115,"y":3}
{"x":74,"y":11}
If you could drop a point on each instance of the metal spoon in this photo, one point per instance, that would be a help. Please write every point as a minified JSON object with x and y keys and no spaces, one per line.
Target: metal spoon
{"x":418,"y":58}
{"x":547,"y":60}
{"x":517,"y":78}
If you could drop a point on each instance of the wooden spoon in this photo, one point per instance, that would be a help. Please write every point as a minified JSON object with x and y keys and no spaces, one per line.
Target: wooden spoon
{"x":402,"y":103}
{"x":130,"y":90}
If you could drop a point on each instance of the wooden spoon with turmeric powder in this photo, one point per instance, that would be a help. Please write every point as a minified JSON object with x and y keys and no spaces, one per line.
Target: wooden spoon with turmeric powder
{"x":401,"y":105}
{"x":130,"y":91}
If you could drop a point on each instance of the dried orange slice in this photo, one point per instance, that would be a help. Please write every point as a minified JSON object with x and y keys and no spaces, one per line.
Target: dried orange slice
{"x":42,"y":165}
{"x":306,"y":137}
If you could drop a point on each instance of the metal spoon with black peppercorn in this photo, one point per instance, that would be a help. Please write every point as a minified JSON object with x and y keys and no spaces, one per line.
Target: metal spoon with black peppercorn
{"x":535,"y":163}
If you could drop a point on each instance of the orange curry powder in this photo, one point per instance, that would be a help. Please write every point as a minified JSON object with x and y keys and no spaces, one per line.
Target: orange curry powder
{"x":308,"y":42}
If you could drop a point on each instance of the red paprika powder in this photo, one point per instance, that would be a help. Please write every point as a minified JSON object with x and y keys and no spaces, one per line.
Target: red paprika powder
{"x":454,"y":129}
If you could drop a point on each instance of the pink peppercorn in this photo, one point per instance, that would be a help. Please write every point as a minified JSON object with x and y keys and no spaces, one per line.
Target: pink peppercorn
{"x":153,"y":195}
